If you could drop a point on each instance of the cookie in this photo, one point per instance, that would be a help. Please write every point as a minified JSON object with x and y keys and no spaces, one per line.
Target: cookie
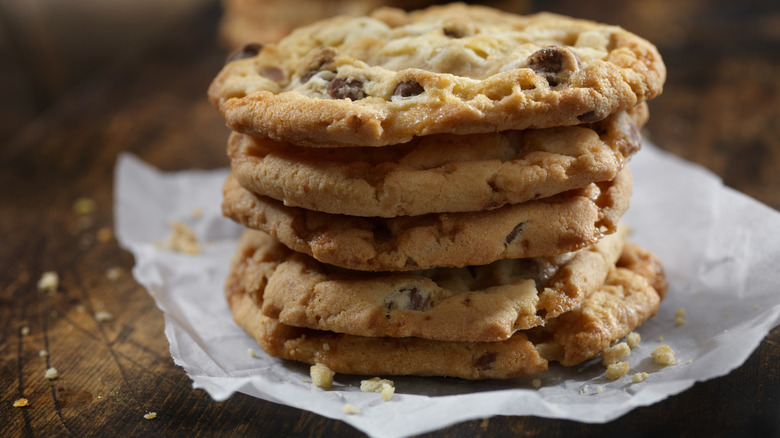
{"x":265,"y":21}
{"x":438,"y":173}
{"x":545,"y":227}
{"x":478,"y":303}
{"x":625,"y":301}
{"x":385,"y":78}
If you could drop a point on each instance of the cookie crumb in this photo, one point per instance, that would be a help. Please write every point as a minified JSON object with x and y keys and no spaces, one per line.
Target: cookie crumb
{"x":374,"y":384}
{"x":536,"y":383}
{"x":725,"y":314}
{"x":639,"y":377}
{"x":43,"y":353}
{"x":679,"y":317}
{"x":182,"y":239}
{"x":104,"y":235}
{"x":150,"y":415}
{"x":351,"y":410}
{"x":21,"y":403}
{"x":614,"y":353}
{"x":196,"y":213}
{"x":633,"y":339}
{"x":321,"y":376}
{"x":326,"y":346}
{"x":599,"y":390}
{"x":663,"y":355}
{"x":387,"y":392}
{"x":49,"y":282}
{"x":51,"y":373}
{"x":84,"y":206}
{"x":251,"y":353}
{"x":103,"y":316}
{"x":756,"y":307}
{"x":661,"y":338}
{"x":114,"y":273}
{"x":617,"y":370}
{"x":25,"y":331}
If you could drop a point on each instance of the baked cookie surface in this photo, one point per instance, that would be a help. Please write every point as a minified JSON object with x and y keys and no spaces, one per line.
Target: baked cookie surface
{"x":626,"y":299}
{"x":438,"y":173}
{"x":478,"y":303}
{"x":562,"y":223}
{"x":384,"y":78}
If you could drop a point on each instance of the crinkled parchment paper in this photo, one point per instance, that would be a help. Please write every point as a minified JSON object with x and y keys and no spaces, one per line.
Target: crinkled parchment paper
{"x":720,"y":249}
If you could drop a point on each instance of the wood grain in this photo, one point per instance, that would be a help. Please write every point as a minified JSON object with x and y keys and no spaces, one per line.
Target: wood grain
{"x":720,"y":109}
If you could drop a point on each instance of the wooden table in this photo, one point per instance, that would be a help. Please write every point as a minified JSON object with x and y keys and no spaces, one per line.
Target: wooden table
{"x":720,"y":108}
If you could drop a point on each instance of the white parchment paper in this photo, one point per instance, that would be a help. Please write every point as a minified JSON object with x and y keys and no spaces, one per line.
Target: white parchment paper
{"x":720,"y":248}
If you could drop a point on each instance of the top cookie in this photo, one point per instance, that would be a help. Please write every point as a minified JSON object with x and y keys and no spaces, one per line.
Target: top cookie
{"x":385,"y":78}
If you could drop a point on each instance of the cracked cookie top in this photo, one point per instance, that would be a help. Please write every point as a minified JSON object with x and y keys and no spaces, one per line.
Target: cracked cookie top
{"x":385,"y":78}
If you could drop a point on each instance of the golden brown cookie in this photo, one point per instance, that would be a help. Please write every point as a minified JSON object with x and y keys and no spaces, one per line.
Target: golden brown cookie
{"x":385,"y":78}
{"x":438,"y":173}
{"x":477,"y":303}
{"x":626,"y":300}
{"x":545,"y":227}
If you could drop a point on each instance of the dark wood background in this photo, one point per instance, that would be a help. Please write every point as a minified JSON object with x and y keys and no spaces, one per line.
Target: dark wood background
{"x":720,"y":108}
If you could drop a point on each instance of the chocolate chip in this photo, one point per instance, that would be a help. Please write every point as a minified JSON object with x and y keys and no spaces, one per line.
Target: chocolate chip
{"x":273,"y":73}
{"x":343,"y":88}
{"x":248,"y":51}
{"x":484,"y":361}
{"x":417,"y":300}
{"x":408,"y":89}
{"x":514,"y":233}
{"x":590,"y":117}
{"x":553,"y":63}
{"x":320,"y":61}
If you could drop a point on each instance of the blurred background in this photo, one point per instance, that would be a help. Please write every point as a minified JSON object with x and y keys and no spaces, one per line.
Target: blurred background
{"x":723,"y":59}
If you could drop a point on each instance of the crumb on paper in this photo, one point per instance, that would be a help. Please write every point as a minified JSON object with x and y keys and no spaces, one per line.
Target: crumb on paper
{"x":21,"y":403}
{"x":182,"y":239}
{"x":251,"y":353}
{"x":104,"y":235}
{"x":614,"y":353}
{"x":25,"y":331}
{"x":374,"y":384}
{"x":663,"y":355}
{"x":43,"y":353}
{"x":679,"y":317}
{"x":639,"y":377}
{"x":726,"y":314}
{"x":633,"y":339}
{"x":387,"y":392}
{"x":756,"y":307}
{"x":150,"y":415}
{"x":49,"y":282}
{"x":661,"y":338}
{"x":51,"y":373}
{"x":536,"y":383}
{"x":84,"y":206}
{"x":196,"y":213}
{"x":326,"y":346}
{"x":321,"y":376}
{"x":114,"y":273}
{"x":103,"y":316}
{"x":599,"y":390}
{"x":617,"y":370}
{"x":385,"y":387}
{"x":351,"y":410}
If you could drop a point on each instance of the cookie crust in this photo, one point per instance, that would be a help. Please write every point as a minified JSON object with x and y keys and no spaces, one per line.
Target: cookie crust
{"x":390,"y":76}
{"x":478,"y":303}
{"x":545,"y":227}
{"x":626,"y":300}
{"x":438,"y":173}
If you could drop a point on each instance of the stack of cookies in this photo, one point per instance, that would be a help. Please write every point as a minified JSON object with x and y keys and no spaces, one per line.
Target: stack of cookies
{"x":438,"y":192}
